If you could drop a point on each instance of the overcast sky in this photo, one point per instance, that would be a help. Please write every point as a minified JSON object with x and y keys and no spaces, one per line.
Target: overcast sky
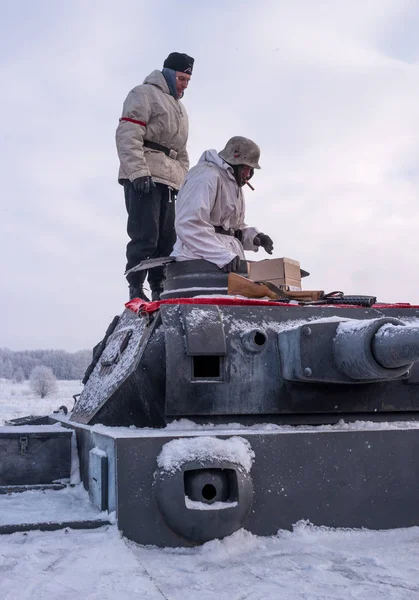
{"x":328,"y":88}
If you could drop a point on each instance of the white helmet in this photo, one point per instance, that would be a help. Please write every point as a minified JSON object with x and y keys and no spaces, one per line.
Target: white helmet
{"x":241,"y":151}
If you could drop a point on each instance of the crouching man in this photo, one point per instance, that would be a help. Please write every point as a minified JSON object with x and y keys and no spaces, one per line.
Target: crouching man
{"x":210,"y":209}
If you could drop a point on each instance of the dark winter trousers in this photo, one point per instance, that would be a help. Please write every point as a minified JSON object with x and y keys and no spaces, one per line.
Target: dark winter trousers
{"x":151,"y":228}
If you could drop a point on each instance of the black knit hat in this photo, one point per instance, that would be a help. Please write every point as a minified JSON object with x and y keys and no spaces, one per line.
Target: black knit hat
{"x":179,"y":62}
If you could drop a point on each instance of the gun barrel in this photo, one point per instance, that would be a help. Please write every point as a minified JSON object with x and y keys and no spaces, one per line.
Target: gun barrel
{"x":396,"y":346}
{"x":376,"y":349}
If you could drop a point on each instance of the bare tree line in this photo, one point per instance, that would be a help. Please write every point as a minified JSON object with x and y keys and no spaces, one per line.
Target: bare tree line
{"x":18,"y":365}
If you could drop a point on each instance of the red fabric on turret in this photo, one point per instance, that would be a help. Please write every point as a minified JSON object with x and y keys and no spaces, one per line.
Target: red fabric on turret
{"x":137,"y":305}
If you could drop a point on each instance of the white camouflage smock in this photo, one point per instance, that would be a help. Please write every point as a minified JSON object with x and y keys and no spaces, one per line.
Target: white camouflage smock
{"x":209,"y":197}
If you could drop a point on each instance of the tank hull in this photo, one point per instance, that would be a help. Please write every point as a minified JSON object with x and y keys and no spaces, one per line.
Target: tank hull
{"x":342,"y":476}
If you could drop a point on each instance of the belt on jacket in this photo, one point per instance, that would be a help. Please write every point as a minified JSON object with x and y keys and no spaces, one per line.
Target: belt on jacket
{"x":167,"y":151}
{"x":237,"y":233}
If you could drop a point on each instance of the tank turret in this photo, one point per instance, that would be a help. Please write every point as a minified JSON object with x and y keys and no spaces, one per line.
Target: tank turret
{"x":224,"y":359}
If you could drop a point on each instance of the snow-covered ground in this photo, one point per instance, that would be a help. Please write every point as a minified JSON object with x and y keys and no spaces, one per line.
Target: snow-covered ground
{"x":17,"y":399}
{"x":309,"y":563}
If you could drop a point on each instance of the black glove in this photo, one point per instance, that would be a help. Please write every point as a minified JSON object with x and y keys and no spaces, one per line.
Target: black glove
{"x":143,"y":185}
{"x":265,"y":241}
{"x":232,"y":266}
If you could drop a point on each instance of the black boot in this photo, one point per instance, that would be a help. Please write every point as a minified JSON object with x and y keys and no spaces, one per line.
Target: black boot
{"x":155,"y":294}
{"x":137,"y":292}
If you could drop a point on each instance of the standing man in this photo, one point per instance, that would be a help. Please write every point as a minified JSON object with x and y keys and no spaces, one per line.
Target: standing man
{"x":151,"y":141}
{"x":211,"y":211}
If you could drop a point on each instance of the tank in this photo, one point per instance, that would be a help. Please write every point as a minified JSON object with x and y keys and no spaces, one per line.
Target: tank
{"x":252,"y":413}
{"x":204,"y":413}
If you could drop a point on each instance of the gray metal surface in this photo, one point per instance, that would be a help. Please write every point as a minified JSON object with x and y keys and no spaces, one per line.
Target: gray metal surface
{"x":53,"y":526}
{"x":342,"y":353}
{"x":396,"y":345}
{"x":31,"y":457}
{"x":355,"y":351}
{"x":150,"y":263}
{"x":246,"y":383}
{"x":109,"y":390}
{"x":221,"y":487}
{"x":191,"y":278}
{"x":88,"y":440}
{"x":29,"y":420}
{"x":18,"y":489}
{"x":244,"y":363}
{"x":204,"y":331}
{"x":332,"y":478}
{"x":265,"y":378}
{"x":98,"y":479}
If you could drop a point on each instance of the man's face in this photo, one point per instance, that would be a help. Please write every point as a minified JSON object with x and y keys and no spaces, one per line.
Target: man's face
{"x":244,"y":174}
{"x":182,"y":80}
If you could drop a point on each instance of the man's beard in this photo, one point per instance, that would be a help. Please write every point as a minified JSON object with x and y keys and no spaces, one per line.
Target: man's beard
{"x":239,"y":177}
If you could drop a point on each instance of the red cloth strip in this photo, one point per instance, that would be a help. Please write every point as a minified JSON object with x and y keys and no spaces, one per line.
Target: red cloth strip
{"x":137,"y":305}
{"x":133,"y":121}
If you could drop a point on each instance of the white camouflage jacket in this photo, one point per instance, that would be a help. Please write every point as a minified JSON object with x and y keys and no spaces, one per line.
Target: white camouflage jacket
{"x":151,"y":113}
{"x":211,"y":197}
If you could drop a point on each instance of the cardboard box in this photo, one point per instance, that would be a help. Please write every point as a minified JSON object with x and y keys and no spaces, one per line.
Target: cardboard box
{"x":285,"y":271}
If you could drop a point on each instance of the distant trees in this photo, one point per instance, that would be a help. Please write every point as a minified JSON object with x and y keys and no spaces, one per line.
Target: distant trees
{"x":42,"y":381}
{"x":7,"y":369}
{"x":64,"y":365}
{"x":19,"y":375}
